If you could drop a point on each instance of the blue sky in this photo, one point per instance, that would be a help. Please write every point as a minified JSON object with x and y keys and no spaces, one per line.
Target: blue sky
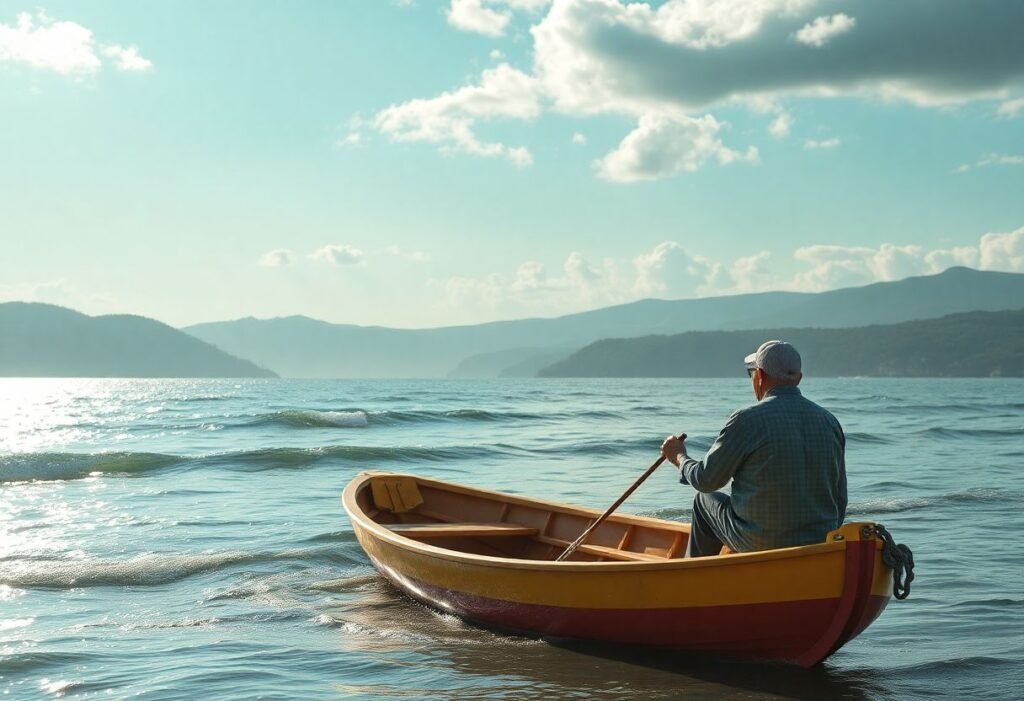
{"x":433,"y":163}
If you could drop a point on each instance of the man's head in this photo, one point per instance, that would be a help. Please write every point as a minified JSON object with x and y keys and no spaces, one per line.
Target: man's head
{"x":774,"y":363}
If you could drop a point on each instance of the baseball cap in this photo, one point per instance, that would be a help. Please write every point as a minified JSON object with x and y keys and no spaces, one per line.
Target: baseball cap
{"x":778,"y":359}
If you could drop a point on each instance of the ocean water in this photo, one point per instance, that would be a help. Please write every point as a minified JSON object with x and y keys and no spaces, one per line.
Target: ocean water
{"x":177,"y":539}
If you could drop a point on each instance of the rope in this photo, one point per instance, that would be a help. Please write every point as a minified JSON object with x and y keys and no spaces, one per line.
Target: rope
{"x":899,"y":559}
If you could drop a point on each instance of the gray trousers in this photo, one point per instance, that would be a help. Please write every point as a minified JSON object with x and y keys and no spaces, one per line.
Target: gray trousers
{"x":711,"y":513}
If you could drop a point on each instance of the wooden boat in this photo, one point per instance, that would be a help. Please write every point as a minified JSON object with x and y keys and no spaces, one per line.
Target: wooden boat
{"x":489,"y":557}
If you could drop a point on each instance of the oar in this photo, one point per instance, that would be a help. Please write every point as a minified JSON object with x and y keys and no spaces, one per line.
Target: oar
{"x":618,"y":502}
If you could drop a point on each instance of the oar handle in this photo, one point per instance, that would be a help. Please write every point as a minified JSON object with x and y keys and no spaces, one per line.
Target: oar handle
{"x":618,"y":502}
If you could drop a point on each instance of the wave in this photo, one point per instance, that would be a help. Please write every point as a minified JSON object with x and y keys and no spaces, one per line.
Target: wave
{"x":867,"y":438}
{"x":890,"y":505}
{"x":360,"y":418}
{"x":958,"y":433}
{"x":144,"y":570}
{"x":311,"y":418}
{"x":27,"y":467}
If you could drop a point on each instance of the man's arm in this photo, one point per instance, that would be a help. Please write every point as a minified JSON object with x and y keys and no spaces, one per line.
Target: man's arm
{"x":734,"y":443}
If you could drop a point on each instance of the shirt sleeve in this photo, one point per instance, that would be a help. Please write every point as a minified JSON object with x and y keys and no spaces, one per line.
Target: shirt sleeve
{"x":734,"y":443}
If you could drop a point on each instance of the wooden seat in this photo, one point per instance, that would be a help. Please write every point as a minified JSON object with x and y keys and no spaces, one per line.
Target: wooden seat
{"x":604,"y":551}
{"x":455,"y":530}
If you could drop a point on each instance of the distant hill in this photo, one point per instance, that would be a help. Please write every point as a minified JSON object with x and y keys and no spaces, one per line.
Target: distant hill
{"x":302,"y":347}
{"x":974,"y":344}
{"x":42,"y":340}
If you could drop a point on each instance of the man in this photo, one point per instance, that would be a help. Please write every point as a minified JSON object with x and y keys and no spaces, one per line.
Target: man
{"x":785,"y":457}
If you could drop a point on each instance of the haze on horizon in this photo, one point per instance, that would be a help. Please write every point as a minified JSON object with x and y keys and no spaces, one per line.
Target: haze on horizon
{"x":411,"y":163}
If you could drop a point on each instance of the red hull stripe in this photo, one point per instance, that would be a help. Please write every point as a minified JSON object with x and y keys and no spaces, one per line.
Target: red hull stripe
{"x":776,"y":631}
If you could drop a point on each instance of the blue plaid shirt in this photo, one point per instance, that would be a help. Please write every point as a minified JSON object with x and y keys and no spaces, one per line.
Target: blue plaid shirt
{"x":785,"y":457}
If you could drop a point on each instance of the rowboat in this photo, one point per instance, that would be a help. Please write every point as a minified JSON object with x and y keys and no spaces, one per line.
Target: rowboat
{"x":489,"y":557}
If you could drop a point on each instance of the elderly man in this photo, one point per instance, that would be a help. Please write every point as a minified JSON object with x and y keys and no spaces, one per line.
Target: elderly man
{"x":785,"y":457}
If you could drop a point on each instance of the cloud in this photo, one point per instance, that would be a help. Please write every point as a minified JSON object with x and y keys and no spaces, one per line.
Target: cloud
{"x":336,"y":254}
{"x":596,"y":56}
{"x":128,"y":59}
{"x":822,"y":29}
{"x":812,"y":144}
{"x":277,"y":258}
{"x":669,"y":271}
{"x":992,"y":159}
{"x":478,"y":15}
{"x":472,"y":16}
{"x":666,"y":144}
{"x":1003,"y":251}
{"x":579,"y":139}
{"x":686,"y":57}
{"x":1011,"y":108}
{"x":64,"y":47}
{"x":448,"y":119}
{"x":780,"y":126}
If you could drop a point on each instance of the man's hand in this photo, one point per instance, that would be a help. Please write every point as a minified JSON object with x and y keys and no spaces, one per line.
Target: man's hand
{"x":673,"y":448}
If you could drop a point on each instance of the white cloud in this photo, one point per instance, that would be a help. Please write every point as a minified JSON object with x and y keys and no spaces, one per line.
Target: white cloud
{"x":496,"y":55}
{"x":338,"y":254}
{"x":579,"y":139}
{"x":64,"y":47}
{"x":128,"y":59}
{"x":1003,"y":251}
{"x":472,"y":16}
{"x":277,"y":258}
{"x":992,"y":159}
{"x":669,"y":271}
{"x":1011,"y":108}
{"x":448,"y":119}
{"x":666,"y":144}
{"x":822,"y":29}
{"x":812,"y":144}
{"x":781,"y":125}
{"x":353,"y":138}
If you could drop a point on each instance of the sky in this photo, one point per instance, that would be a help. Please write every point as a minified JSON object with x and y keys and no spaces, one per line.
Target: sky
{"x":418,"y":163}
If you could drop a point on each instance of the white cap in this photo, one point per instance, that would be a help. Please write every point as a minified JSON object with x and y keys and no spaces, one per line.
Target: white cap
{"x":778,"y":359}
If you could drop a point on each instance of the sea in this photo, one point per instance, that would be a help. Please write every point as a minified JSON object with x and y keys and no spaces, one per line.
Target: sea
{"x":184,"y":539}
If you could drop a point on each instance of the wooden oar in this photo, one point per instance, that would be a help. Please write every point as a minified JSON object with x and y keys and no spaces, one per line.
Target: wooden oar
{"x":618,"y":502}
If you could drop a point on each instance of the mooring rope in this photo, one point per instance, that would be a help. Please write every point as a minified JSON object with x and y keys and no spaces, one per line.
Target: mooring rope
{"x":899,"y":558}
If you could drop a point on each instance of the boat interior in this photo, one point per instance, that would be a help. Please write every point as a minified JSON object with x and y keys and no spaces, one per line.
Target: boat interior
{"x":501,"y":525}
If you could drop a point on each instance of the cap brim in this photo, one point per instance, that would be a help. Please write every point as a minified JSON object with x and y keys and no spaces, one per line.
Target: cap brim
{"x":750,"y":360}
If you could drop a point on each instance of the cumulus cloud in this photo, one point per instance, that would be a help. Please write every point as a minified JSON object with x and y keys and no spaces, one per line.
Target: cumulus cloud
{"x":338,"y":254}
{"x":666,"y":144}
{"x":670,"y":271}
{"x":813,"y":144}
{"x":128,"y":59}
{"x":64,"y":47}
{"x":481,"y":16}
{"x":684,"y":57}
{"x":822,"y":29}
{"x":579,"y":139}
{"x":472,"y":16}
{"x":780,"y":126}
{"x":277,"y":258}
{"x":448,"y":120}
{"x":1003,"y":251}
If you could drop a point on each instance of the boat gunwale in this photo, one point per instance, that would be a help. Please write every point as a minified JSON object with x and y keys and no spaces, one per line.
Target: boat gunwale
{"x":362,"y":520}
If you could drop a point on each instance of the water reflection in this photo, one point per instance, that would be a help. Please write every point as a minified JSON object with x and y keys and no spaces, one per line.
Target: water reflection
{"x":424,"y":649}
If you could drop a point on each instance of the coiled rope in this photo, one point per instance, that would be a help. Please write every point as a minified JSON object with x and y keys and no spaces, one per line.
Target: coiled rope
{"x":899,"y":558}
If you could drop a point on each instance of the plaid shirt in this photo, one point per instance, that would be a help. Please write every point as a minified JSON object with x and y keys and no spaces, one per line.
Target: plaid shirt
{"x":785,"y":457}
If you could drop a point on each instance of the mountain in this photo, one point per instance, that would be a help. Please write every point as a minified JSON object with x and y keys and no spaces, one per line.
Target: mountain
{"x":302,"y":347}
{"x":973,"y":344}
{"x":42,"y":340}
